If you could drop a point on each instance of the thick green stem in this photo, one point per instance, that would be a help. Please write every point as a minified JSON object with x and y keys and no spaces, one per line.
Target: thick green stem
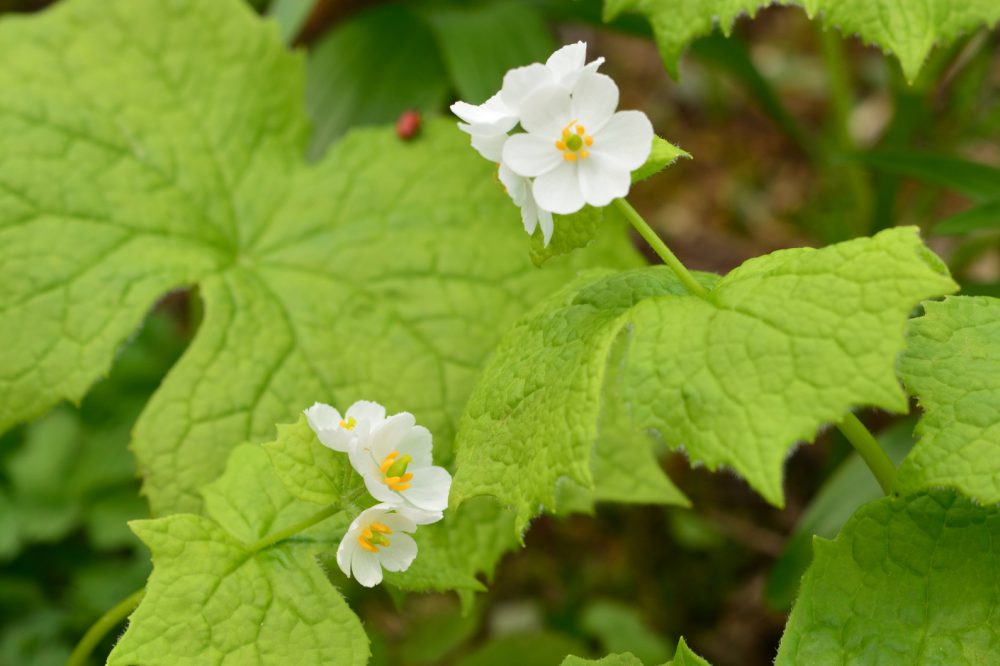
{"x":661,"y":249}
{"x":116,"y":615}
{"x":100,"y":629}
{"x":867,"y":446}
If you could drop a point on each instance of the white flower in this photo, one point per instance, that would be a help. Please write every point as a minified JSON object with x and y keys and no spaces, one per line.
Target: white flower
{"x":395,"y":462}
{"x":489,"y":122}
{"x":378,"y":539}
{"x":578,"y":150}
{"x":519,"y":190}
{"x":341,"y":433}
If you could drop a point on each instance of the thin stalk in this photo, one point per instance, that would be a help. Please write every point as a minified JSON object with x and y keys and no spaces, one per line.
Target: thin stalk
{"x":111,"y":619}
{"x":661,"y":249}
{"x":292,"y":530}
{"x":868,"y":448}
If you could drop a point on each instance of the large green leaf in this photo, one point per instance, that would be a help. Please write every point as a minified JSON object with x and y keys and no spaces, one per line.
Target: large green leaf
{"x":906,"y":28}
{"x":952,"y":365}
{"x":781,"y":346}
{"x":910,"y":580}
{"x":148,"y":145}
{"x":217,"y":596}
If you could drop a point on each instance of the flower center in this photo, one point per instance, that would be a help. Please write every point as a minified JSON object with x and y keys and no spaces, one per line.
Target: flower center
{"x":574,"y":144}
{"x":349,"y":424}
{"x":394,"y":472}
{"x":373,"y":537}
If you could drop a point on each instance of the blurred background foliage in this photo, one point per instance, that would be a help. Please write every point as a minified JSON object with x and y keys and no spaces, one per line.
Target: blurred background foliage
{"x":799,"y":137}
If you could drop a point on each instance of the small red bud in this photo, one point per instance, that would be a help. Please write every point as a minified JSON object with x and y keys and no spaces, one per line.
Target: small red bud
{"x":408,"y":125}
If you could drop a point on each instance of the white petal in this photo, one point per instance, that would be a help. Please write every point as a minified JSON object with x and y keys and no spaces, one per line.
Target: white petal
{"x":529,"y":214}
{"x":345,"y":551}
{"x":399,"y":520}
{"x":363,"y":461}
{"x":545,"y":220}
{"x":492,"y":116}
{"x":399,"y":554}
{"x":520,"y":82}
{"x":366,"y":568}
{"x":337,"y":439}
{"x":417,"y":444}
{"x":386,"y":438}
{"x":568,"y":60}
{"x":380,"y":491}
{"x":602,"y":182}
{"x":558,"y":191}
{"x":595,"y":98}
{"x":322,"y":416}
{"x":419,"y":516}
{"x":516,"y":186}
{"x":531,"y":155}
{"x":627,"y":138}
{"x":547,"y":111}
{"x":489,"y":146}
{"x":429,"y":489}
{"x":365,"y":410}
{"x":325,"y":422}
{"x":590,"y":68}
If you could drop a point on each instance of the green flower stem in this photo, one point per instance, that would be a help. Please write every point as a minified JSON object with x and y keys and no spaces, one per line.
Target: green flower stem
{"x":867,"y":446}
{"x":292,"y":530}
{"x":116,"y":615}
{"x":111,"y":619}
{"x":661,"y":249}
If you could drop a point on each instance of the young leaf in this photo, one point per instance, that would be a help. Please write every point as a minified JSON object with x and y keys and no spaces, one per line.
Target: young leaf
{"x":909,"y":580}
{"x":161,"y":147}
{"x":682,"y":657}
{"x":782,"y":345}
{"x":909,"y":30}
{"x":952,"y":365}
{"x":685,"y":656}
{"x":663,"y":155}
{"x":218,"y":593}
{"x":623,"y":659}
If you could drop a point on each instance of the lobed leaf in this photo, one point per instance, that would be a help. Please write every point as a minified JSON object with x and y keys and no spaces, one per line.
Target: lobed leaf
{"x":147,"y":146}
{"x":909,"y":580}
{"x":909,"y":30}
{"x":781,"y":346}
{"x":952,"y":365}
{"x":217,"y":594}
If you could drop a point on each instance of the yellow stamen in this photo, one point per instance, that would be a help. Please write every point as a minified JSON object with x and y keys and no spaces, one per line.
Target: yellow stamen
{"x":387,"y":463}
{"x":561,"y":145}
{"x":569,"y":157}
{"x":589,"y":140}
{"x":584,"y":154}
{"x":580,"y":130}
{"x":373,"y":536}
{"x":349,"y":424}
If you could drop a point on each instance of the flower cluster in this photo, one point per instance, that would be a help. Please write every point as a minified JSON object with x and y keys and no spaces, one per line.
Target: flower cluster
{"x":574,"y":148}
{"x":393,"y":456}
